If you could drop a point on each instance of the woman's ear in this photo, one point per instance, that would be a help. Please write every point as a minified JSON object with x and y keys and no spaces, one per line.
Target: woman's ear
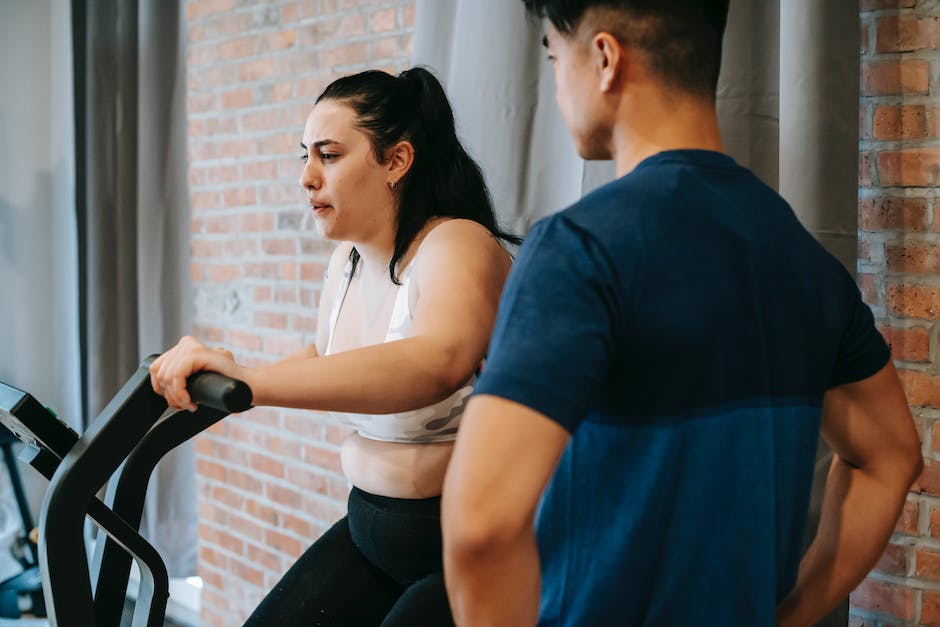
{"x":399,"y":159}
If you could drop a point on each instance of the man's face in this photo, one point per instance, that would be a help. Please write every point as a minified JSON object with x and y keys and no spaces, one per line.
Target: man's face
{"x":577,"y":91}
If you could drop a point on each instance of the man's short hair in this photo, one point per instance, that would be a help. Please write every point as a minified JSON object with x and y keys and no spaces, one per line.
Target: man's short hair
{"x":681,"y":38}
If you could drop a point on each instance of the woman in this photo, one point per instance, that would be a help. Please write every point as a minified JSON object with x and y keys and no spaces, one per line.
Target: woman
{"x":405,"y":316}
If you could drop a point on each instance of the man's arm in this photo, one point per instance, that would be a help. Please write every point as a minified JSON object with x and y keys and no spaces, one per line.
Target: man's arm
{"x":504,"y":457}
{"x":877,"y":457}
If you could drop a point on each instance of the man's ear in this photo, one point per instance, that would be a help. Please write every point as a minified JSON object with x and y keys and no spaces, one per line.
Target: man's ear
{"x":399,"y":159}
{"x":608,"y":57}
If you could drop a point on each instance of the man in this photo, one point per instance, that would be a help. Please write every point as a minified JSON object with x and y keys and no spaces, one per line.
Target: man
{"x":668,"y":350}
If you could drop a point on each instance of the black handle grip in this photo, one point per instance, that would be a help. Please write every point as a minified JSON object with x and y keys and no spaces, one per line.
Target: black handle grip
{"x":219,"y":392}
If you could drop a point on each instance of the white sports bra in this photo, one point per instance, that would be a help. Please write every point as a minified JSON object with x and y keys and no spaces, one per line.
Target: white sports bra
{"x":435,"y":423}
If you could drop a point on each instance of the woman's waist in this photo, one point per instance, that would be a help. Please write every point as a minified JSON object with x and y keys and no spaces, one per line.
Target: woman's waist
{"x":396,"y":469}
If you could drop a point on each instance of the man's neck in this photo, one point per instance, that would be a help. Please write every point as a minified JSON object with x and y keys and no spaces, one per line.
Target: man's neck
{"x":654,"y":123}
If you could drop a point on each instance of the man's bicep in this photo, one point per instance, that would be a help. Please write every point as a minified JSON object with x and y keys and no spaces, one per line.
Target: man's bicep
{"x":505,"y":455}
{"x":864,"y":420}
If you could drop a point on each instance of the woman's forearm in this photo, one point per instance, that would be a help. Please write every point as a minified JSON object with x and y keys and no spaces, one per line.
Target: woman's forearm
{"x":385,"y":378}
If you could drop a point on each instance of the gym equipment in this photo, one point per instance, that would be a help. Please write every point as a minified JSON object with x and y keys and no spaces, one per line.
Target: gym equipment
{"x":133,"y":432}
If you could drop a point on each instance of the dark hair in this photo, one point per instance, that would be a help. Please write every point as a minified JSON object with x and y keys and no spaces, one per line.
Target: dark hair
{"x":443,"y":179}
{"x":682,"y":38}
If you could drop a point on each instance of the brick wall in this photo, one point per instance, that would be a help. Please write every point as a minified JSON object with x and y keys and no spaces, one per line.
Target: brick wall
{"x":268,"y":481}
{"x":899,"y":273}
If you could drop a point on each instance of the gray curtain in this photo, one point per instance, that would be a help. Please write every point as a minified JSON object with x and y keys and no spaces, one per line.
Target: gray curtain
{"x":133,"y":224}
{"x":38,"y":294}
{"x":788,"y":105}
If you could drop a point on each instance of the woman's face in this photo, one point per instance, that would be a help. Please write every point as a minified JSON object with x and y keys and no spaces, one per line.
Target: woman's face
{"x":347,"y":188}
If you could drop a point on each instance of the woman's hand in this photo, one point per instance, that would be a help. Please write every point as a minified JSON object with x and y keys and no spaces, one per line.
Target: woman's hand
{"x":168,"y":373}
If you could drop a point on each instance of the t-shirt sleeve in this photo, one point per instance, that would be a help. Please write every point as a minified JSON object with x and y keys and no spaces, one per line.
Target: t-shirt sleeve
{"x":862,"y":349}
{"x":554,"y":332}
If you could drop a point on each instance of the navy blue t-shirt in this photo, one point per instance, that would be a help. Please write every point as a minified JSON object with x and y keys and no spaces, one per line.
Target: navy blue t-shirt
{"x":684,"y":327}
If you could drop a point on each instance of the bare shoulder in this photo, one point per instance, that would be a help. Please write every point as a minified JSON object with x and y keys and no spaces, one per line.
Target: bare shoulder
{"x":463,"y":241}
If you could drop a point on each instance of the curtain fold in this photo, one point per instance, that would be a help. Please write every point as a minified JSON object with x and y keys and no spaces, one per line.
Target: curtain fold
{"x":788,"y":104}
{"x":133,"y":225}
{"x":488,"y":55}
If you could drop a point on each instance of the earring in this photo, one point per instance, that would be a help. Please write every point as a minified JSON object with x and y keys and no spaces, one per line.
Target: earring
{"x":392,"y":184}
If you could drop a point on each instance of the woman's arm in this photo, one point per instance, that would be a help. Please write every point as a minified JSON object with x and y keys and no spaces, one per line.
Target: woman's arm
{"x":458,"y":273}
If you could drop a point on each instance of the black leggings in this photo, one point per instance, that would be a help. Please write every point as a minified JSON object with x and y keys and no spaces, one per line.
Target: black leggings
{"x":381,"y":565}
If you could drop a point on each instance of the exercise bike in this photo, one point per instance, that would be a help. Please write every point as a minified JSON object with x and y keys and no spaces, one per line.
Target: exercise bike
{"x":133,"y":432}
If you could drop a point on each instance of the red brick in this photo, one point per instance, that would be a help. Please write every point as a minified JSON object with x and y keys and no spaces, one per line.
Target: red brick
{"x":236,"y":48}
{"x":239,"y":197}
{"x":349,"y":54}
{"x":899,"y":122}
{"x":913,"y":258}
{"x":286,"y":296}
{"x":385,"y":20}
{"x":259,"y":170}
{"x":352,"y":26}
{"x":213,"y":557}
{"x":223,"y":273}
{"x":270,"y":320}
{"x":884,"y":598}
{"x":896,"y":559}
{"x":299,"y":526}
{"x":246,"y":572}
{"x":908,"y":344}
{"x":264,"y":513}
{"x":922,"y":389}
{"x":205,"y":200}
{"x":266,"y":464}
{"x":210,"y":7}
{"x":282,"y":346}
{"x":930,"y":609}
{"x":237,"y":148}
{"x":868,"y":285}
{"x":303,"y":323}
{"x":256,"y":222}
{"x":277,"y":41}
{"x":877,"y":5}
{"x":243,"y":340}
{"x":263,"y":120}
{"x":263,"y":557}
{"x":241,"y":247}
{"x":211,"y":470}
{"x":208,"y":333}
{"x":321,"y":457}
{"x":929,"y":483}
{"x":385,"y":48}
{"x":257,"y":70}
{"x":246,"y":527}
{"x":283,"y":543}
{"x":908,"y":520}
{"x":906,"y":32}
{"x":893,"y":213}
{"x":914,"y":301}
{"x":865,"y":169}
{"x":287,"y":270}
{"x":890,"y":78}
{"x":918,"y":167}
{"x":285,"y":498}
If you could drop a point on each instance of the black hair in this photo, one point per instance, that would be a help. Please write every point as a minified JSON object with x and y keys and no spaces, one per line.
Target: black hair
{"x":443,"y":179}
{"x":682,"y":38}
